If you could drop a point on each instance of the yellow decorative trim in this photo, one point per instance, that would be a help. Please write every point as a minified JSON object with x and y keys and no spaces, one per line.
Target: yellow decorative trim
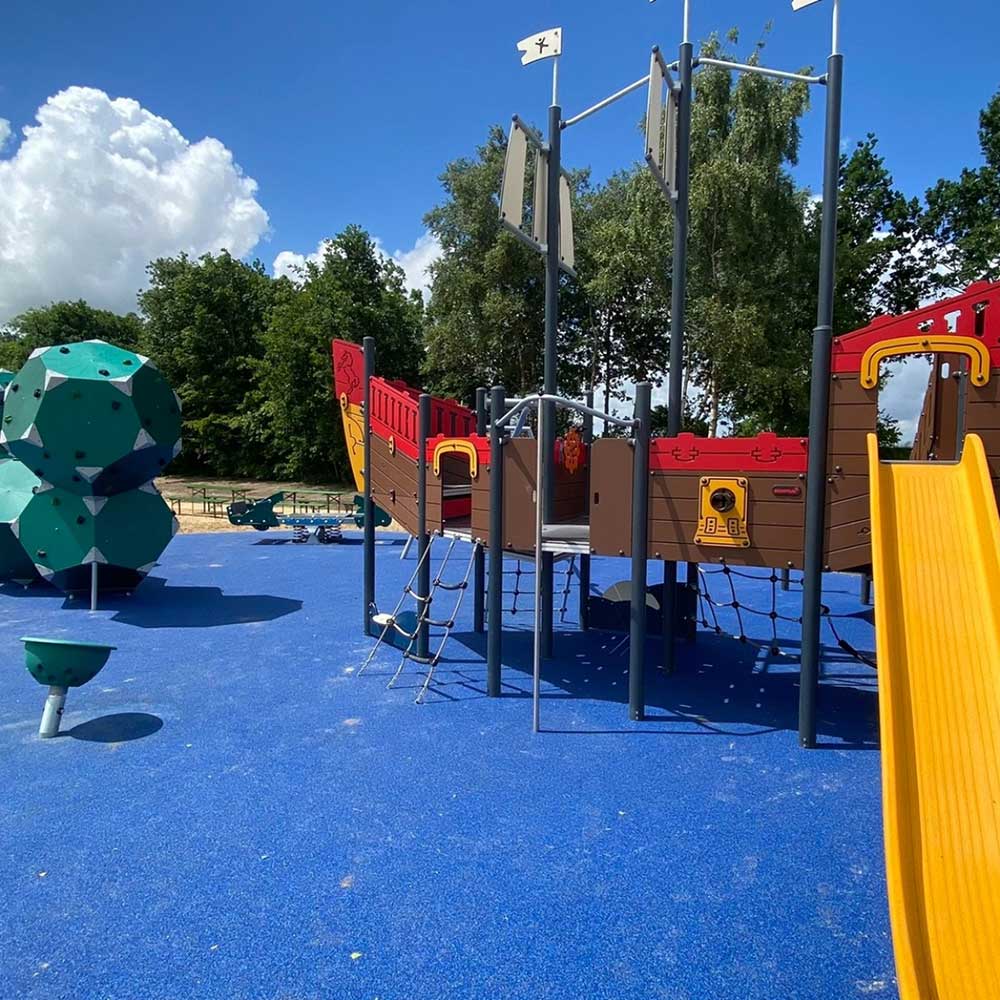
{"x":392,"y":444}
{"x":978,"y":355}
{"x":344,"y":403}
{"x":457,"y":446}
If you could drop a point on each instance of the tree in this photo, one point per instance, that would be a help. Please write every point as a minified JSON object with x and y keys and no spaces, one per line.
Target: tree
{"x":353,"y":293}
{"x":205,"y":322}
{"x":746,"y":345}
{"x":883,"y":263}
{"x":485,"y":320}
{"x":963,"y":216}
{"x":65,"y":323}
{"x":625,"y":239}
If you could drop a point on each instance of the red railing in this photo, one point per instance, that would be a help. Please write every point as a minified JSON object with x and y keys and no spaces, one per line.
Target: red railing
{"x":975,"y":314}
{"x":763,"y":453}
{"x":395,"y":413}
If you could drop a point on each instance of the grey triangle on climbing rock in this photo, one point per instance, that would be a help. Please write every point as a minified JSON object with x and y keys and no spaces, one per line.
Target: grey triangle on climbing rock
{"x":32,"y":436}
{"x":94,"y":504}
{"x":89,"y":472}
{"x":143,"y":439}
{"x":94,"y":556}
{"x":52,"y":379}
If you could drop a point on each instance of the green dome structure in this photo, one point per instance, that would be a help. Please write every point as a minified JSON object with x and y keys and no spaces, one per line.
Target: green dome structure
{"x":63,"y":534}
{"x":17,"y":485}
{"x":91,"y":418}
{"x":6,"y":377}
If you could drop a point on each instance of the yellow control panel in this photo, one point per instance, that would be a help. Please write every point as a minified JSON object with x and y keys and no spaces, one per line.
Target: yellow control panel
{"x":722,"y":513}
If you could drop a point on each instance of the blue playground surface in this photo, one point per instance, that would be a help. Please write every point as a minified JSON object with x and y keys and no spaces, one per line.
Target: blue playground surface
{"x":231,"y":813}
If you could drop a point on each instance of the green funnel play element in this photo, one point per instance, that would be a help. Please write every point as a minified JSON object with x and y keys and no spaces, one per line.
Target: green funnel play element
{"x":61,"y":664}
{"x":63,"y":534}
{"x":91,"y":418}
{"x":16,"y":485}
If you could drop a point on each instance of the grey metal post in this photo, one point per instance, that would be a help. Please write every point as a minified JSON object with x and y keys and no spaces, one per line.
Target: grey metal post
{"x":819,"y":415}
{"x":865,"y":588}
{"x":544,"y":489}
{"x":494,"y":635}
{"x":640,"y":545}
{"x":368,"y":587}
{"x":479,"y":566}
{"x":588,"y":440}
{"x":93,"y":585}
{"x":678,"y":302}
{"x":55,"y":701}
{"x":786,"y":578}
{"x":693,"y":584}
{"x":423,"y":540}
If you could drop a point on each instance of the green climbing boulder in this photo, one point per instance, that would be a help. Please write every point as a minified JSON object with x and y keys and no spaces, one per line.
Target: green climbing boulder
{"x":91,"y":418}
{"x":16,"y":490}
{"x":64,"y":533}
{"x":6,"y":377}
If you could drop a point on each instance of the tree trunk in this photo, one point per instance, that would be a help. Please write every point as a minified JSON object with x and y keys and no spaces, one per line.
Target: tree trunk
{"x":713,"y":410}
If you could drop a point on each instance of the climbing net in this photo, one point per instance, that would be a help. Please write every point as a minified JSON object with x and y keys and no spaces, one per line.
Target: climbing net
{"x":717,"y":595}
{"x":517,"y":591}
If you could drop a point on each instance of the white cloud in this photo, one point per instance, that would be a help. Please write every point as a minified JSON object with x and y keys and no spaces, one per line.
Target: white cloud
{"x":101,"y":186}
{"x":417,"y":260}
{"x":414,"y":261}
{"x":4,"y":132}
{"x":902,"y":396}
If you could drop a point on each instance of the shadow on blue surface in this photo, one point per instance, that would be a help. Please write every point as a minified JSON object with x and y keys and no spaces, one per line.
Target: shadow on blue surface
{"x":721,"y":687}
{"x":157,"y":605}
{"x":118,"y":728}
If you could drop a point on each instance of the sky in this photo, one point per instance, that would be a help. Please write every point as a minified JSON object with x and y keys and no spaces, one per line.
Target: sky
{"x":262,"y":128}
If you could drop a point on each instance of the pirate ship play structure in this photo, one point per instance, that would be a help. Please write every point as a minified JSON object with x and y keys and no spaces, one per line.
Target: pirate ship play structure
{"x":928,"y":530}
{"x":737,"y":501}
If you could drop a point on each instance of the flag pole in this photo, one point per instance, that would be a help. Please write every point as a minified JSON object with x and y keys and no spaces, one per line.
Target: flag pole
{"x":555,"y":80}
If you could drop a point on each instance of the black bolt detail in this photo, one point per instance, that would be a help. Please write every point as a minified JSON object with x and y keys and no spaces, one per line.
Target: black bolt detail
{"x":81,"y":454}
{"x":64,"y":350}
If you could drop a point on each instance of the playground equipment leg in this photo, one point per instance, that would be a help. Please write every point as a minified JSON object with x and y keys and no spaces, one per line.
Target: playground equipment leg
{"x":93,"y":586}
{"x":819,"y":415}
{"x":52,"y":713}
{"x":640,"y":545}
{"x":544,"y":488}
{"x":675,"y":400}
{"x":494,"y":636}
{"x":865,"y":588}
{"x":479,"y":568}
{"x":424,"y":576}
{"x":369,"y":537}
{"x":692,"y":584}
{"x":584,"y":569}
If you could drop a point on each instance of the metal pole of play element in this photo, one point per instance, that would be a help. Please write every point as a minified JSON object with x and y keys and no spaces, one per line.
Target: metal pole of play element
{"x":93,"y":586}
{"x":494,"y":635}
{"x":678,"y":302}
{"x":786,"y":578}
{"x":52,"y":713}
{"x":640,"y":546}
{"x":423,"y":540}
{"x":536,"y":683}
{"x":546,"y":441}
{"x":819,"y":412}
{"x":479,"y":567}
{"x":368,"y":588}
{"x":865,"y":588}
{"x":588,"y":440}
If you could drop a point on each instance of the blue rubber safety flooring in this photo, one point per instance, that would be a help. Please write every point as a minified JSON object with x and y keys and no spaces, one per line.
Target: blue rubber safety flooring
{"x":232,"y":812}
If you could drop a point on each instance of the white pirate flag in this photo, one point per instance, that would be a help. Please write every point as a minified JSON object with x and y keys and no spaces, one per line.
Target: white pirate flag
{"x":544,"y":45}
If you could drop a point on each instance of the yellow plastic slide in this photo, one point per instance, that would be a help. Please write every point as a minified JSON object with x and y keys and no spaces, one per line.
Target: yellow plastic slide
{"x":936,"y":556}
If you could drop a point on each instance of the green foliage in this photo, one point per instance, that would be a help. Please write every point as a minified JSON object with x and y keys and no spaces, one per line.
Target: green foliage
{"x":963,"y":216}
{"x":749,"y":294}
{"x":65,"y":323}
{"x":485,"y":319}
{"x":624,"y":235}
{"x":354,"y":293}
{"x":205,"y":322}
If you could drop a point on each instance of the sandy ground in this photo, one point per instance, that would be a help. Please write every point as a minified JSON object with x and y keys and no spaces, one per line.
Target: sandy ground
{"x":194,"y":521}
{"x":191,"y":516}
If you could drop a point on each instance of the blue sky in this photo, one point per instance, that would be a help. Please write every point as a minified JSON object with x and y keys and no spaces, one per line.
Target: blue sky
{"x":347,"y":112}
